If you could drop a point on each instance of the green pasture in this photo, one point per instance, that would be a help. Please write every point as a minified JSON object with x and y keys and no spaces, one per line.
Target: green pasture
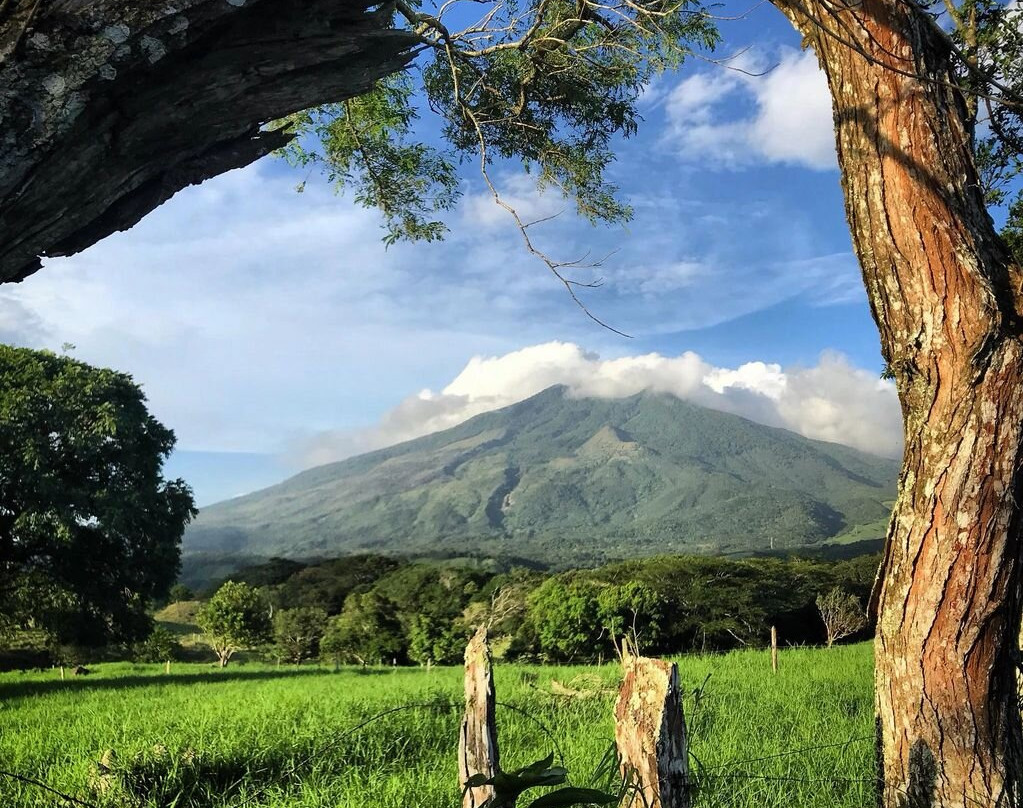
{"x":254,"y":735}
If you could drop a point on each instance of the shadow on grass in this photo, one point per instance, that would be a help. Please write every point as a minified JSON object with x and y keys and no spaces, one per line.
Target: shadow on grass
{"x":81,"y":684}
{"x":193,"y":780}
{"x":196,"y":779}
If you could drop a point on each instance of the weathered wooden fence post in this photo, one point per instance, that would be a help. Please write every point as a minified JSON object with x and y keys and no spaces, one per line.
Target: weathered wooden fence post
{"x":774,"y":649}
{"x":477,"y":740}
{"x":650,"y":733}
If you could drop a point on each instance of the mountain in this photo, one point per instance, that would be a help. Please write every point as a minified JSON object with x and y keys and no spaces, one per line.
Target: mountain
{"x":565,"y":481}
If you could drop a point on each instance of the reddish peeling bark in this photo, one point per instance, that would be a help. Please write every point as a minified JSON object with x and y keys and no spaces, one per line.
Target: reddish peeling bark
{"x":109,"y":107}
{"x":946,"y":298}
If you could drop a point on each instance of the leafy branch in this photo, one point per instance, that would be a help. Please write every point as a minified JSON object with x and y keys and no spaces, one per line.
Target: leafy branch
{"x":548,"y":83}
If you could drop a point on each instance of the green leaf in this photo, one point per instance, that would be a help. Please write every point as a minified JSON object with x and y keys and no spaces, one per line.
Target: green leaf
{"x":477,"y":780}
{"x":536,"y":766}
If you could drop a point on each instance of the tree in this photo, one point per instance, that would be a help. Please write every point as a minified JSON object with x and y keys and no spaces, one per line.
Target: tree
{"x":179,"y":593}
{"x":946,"y":295}
{"x":159,"y":646}
{"x":236,"y":617}
{"x":90,"y":532}
{"x":437,"y":640}
{"x":943,"y":286}
{"x":630,"y":613}
{"x":566,"y":617}
{"x":367,"y":631}
{"x":119,"y":125}
{"x":842,"y":614}
{"x":297,"y":632}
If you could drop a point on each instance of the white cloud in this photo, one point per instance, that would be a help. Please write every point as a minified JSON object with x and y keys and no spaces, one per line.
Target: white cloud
{"x":517,"y":190}
{"x":19,"y":325}
{"x":251,"y":314}
{"x":789,"y":120}
{"x":831,"y":401}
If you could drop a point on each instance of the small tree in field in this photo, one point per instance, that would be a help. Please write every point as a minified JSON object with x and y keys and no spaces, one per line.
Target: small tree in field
{"x":159,"y":646}
{"x":842,"y":614}
{"x":297,"y":632}
{"x":235,"y":617}
{"x":179,"y":593}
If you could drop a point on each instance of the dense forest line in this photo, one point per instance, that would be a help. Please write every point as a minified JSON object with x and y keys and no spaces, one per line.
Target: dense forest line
{"x":373,"y":609}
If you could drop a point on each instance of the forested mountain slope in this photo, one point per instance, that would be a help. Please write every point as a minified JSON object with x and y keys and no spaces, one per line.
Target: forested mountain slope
{"x":565,"y":480}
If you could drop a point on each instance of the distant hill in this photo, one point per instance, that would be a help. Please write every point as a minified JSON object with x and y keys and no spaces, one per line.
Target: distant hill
{"x":568,"y":481}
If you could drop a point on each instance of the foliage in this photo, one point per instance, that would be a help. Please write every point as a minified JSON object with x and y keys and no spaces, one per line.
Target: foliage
{"x":566,"y":616}
{"x":435,"y":640}
{"x":297,"y":632}
{"x":842,"y":614}
{"x":509,"y":786}
{"x":630,"y":613}
{"x":423,"y":612}
{"x":159,"y":646}
{"x":594,"y":480}
{"x":236,"y":617}
{"x":364,"y":144}
{"x":89,"y":529}
{"x":550,"y":84}
{"x":367,"y":632}
{"x":179,"y":593}
{"x":326,"y":585}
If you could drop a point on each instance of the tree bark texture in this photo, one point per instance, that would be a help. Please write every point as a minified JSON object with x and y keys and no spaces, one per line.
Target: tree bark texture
{"x":946,"y":298}
{"x":109,"y":107}
{"x":477,"y":737}
{"x":650,"y":734}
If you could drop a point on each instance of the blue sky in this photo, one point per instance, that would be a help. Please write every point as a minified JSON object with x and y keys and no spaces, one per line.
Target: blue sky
{"x":272,"y":329}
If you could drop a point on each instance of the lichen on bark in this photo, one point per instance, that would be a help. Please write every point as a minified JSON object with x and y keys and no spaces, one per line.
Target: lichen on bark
{"x":109,"y":108}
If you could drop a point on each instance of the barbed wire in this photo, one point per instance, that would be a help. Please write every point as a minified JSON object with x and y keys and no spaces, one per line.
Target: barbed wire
{"x":21,"y":778}
{"x":790,"y":752}
{"x":707,"y":774}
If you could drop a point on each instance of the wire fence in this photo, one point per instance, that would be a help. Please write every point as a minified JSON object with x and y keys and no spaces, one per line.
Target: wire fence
{"x":704,"y":782}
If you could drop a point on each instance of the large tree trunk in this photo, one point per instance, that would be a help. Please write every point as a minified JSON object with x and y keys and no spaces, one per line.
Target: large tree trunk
{"x":945,"y":296}
{"x":109,"y":107}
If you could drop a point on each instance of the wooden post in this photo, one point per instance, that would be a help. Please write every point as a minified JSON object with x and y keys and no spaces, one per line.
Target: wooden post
{"x":477,"y":739}
{"x":650,"y":733}
{"x":774,"y":649}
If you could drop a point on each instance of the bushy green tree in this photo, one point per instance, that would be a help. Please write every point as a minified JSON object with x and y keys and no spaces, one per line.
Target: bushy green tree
{"x":630,"y":613}
{"x":366,"y":632}
{"x":90,"y":531}
{"x":297,"y":632}
{"x":435,"y":640}
{"x":565,"y":614}
{"x":179,"y":593}
{"x":159,"y":646}
{"x":236,"y":617}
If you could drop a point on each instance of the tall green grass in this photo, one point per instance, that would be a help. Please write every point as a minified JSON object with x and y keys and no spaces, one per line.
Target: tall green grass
{"x":255,"y":735}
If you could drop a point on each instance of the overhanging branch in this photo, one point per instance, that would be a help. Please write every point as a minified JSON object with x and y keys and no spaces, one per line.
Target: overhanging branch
{"x":108,"y":108}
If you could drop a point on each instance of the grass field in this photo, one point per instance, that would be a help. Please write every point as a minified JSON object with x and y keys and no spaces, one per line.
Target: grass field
{"x":254,"y":735}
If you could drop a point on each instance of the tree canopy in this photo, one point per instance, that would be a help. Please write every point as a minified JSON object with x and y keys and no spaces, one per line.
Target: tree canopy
{"x":90,"y":531}
{"x":235,"y":618}
{"x":552,"y":83}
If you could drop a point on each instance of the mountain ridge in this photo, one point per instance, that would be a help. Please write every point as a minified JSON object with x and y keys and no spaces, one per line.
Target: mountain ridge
{"x":563,"y":479}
